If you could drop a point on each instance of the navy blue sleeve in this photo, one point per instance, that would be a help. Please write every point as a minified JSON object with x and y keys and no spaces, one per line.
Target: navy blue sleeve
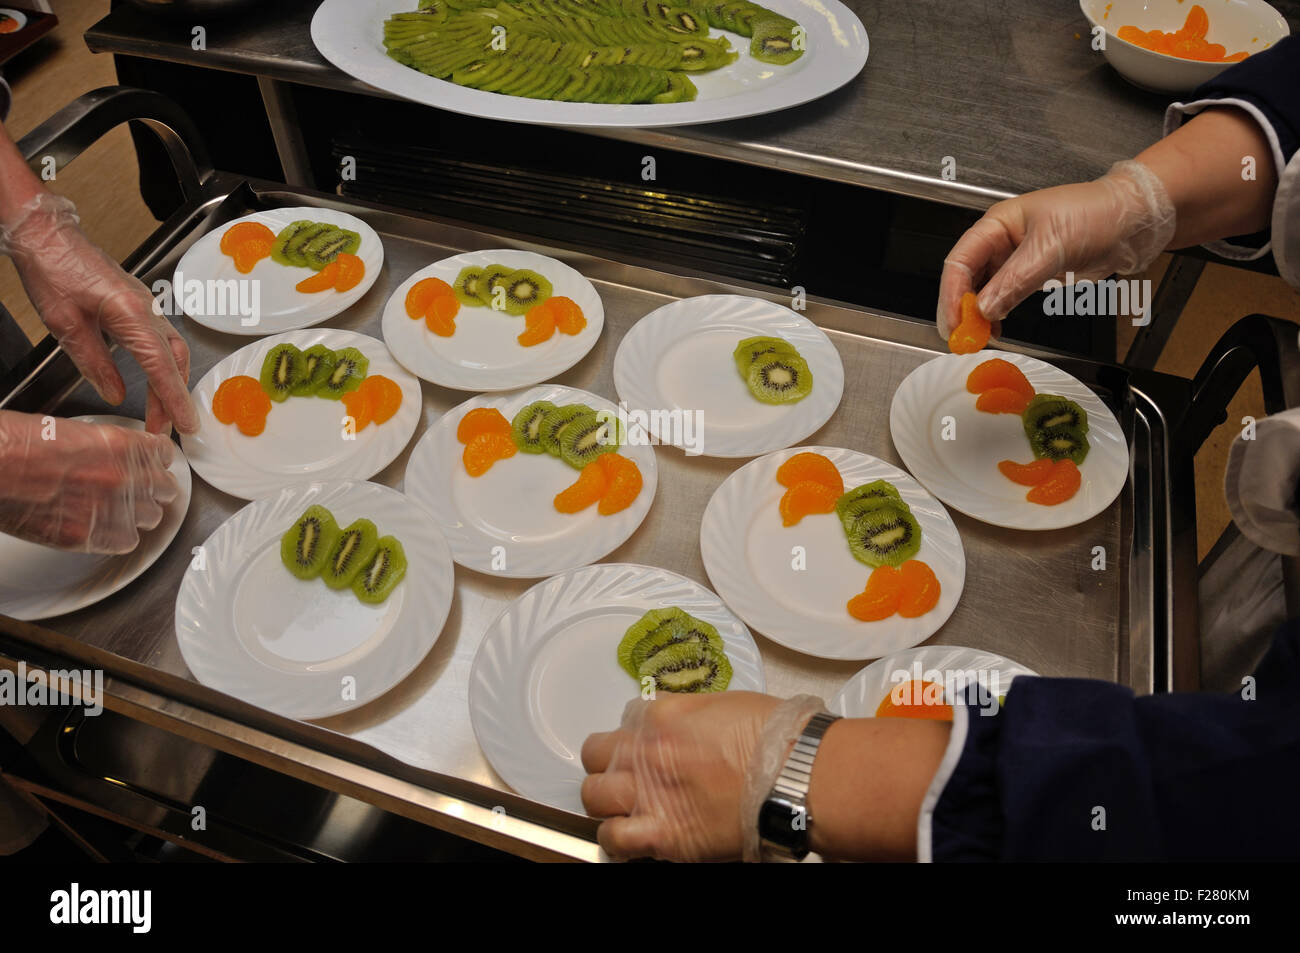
{"x":1269,"y":80}
{"x":1072,"y":769}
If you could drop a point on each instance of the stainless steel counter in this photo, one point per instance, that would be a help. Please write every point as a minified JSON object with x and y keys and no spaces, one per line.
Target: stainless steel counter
{"x":1011,"y":91}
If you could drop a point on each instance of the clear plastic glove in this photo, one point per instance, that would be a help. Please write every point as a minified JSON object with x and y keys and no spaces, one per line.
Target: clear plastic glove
{"x":1116,"y":224}
{"x":81,"y":294}
{"x":672,"y":778}
{"x":80,"y":486}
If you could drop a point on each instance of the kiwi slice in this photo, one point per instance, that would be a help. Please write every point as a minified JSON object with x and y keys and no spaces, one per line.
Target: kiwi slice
{"x":380,"y":576}
{"x":526,"y":428}
{"x":885,"y":535}
{"x":296,"y":244}
{"x":469,"y":288}
{"x":779,"y":378}
{"x":282,"y":369}
{"x":644,"y":627}
{"x":352,"y":551}
{"x":317,"y":362}
{"x":657,"y":630}
{"x":585,"y":438}
{"x":524,"y":289}
{"x":349,"y":370}
{"x":492,"y":276}
{"x":857,"y":501}
{"x":689,"y":667}
{"x":307,"y":544}
{"x":1060,"y":443}
{"x":287,"y":234}
{"x":328,"y":245}
{"x":751,"y":349}
{"x":556,"y":420}
{"x":773,"y":40}
{"x":1050,"y":412}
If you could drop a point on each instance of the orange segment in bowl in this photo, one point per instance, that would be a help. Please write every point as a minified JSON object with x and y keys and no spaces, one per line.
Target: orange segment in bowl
{"x":810,"y":466}
{"x":486,"y":449}
{"x":481,"y":420}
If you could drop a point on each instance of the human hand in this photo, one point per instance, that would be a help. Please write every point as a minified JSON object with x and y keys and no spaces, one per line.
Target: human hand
{"x":81,"y":294}
{"x":81,"y":486}
{"x":670,"y":780}
{"x":1116,"y":224}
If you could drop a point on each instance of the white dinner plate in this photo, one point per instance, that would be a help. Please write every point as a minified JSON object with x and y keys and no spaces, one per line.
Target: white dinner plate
{"x":349,"y":33}
{"x":485,"y":354}
{"x":280,"y":306}
{"x":305,"y":438}
{"x":504,"y":522}
{"x":793,"y":583}
{"x":250,"y":628}
{"x":677,"y":362}
{"x":546,"y":674}
{"x":963,"y":471}
{"x":38,"y":582}
{"x":953,"y":666}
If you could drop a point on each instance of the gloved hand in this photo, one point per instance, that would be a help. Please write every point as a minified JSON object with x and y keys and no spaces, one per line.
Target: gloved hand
{"x":1116,"y":224}
{"x":81,"y":486}
{"x":81,"y":293}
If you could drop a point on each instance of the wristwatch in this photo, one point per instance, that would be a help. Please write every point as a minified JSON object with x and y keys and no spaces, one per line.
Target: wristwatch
{"x":783,"y":820}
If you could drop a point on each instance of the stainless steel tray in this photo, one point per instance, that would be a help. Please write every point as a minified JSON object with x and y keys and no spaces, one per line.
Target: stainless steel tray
{"x":1030,"y":596}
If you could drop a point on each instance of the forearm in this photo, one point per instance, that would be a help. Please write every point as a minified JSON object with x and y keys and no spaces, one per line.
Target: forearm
{"x":868,"y":782}
{"x":1202,"y":167}
{"x":18,"y":184}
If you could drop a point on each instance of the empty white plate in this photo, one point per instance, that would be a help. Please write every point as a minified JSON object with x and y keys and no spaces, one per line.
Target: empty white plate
{"x":793,"y":583}
{"x":248,"y":627}
{"x":676,"y":366}
{"x":305,"y":437}
{"x":952,"y":666}
{"x":37,"y":582}
{"x":485,"y":354}
{"x":546,"y":674}
{"x":201,"y":285}
{"x":954,"y":449}
{"x":504,"y":522}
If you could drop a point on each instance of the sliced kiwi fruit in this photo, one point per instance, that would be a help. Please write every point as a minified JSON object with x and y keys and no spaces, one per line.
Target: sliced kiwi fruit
{"x":469,"y":288}
{"x":352,"y":551}
{"x":779,"y":378}
{"x":657,"y":630}
{"x":492,"y":276}
{"x":1060,"y":443}
{"x":585,"y":438}
{"x":524,"y":289}
{"x":328,"y":245}
{"x":317,"y":362}
{"x":379,"y":577}
{"x":286,"y":235}
{"x":680,"y":90}
{"x":526,"y":428}
{"x":688,"y":667}
{"x":556,"y":420}
{"x":751,"y":349}
{"x":307,"y":544}
{"x":349,"y":370}
{"x":774,"y":40}
{"x":857,"y":501}
{"x":642,"y":628}
{"x":295,"y":246}
{"x":281,"y":371}
{"x":885,"y":535}
{"x":1050,"y":412}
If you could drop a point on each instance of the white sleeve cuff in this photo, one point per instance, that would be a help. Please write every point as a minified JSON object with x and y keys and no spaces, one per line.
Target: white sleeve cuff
{"x":948,"y":764}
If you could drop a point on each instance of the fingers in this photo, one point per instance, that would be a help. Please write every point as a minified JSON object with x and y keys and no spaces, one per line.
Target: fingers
{"x":609,"y":794}
{"x":85,"y":346}
{"x":597,"y":751}
{"x":159,"y":350}
{"x":980,"y":251}
{"x":1029,"y":266}
{"x":629,"y":837}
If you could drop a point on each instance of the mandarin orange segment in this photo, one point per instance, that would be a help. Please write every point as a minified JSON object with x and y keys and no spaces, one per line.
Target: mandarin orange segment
{"x":241,"y":232}
{"x":486,"y":449}
{"x":1026,"y":474}
{"x":323,"y":280}
{"x":920,"y":589}
{"x":569,"y":318}
{"x":360,"y":408}
{"x":385,"y":396}
{"x":1197,"y":23}
{"x":879,"y":600}
{"x":249,"y":252}
{"x":539,"y":313}
{"x":972,"y":334}
{"x":806,"y":498}
{"x":351,"y":270}
{"x":590,"y":487}
{"x":481,"y":420}
{"x":625,"y":483}
{"x":915,"y":699}
{"x":541,"y":330}
{"x":422,"y":295}
{"x":810,"y":466}
{"x":998,"y":373}
{"x":251,"y":425}
{"x":1003,"y":400}
{"x":1063,"y":482}
{"x":440,"y":324}
{"x":224,"y":406}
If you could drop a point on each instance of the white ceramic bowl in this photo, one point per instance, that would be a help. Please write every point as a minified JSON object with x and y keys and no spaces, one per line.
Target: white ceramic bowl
{"x":1249,"y":25}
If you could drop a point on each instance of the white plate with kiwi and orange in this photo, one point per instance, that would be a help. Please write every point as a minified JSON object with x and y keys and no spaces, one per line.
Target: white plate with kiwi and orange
{"x":533,"y":482}
{"x":1009,"y":439}
{"x":493,"y":320}
{"x":315,"y":600}
{"x":277,"y":270}
{"x":564,"y":659}
{"x":318,"y":404}
{"x":832,"y":553}
{"x":728,"y":375}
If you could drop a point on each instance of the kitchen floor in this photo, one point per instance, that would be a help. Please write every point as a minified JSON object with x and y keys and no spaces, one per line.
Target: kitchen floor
{"x":103,"y":184}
